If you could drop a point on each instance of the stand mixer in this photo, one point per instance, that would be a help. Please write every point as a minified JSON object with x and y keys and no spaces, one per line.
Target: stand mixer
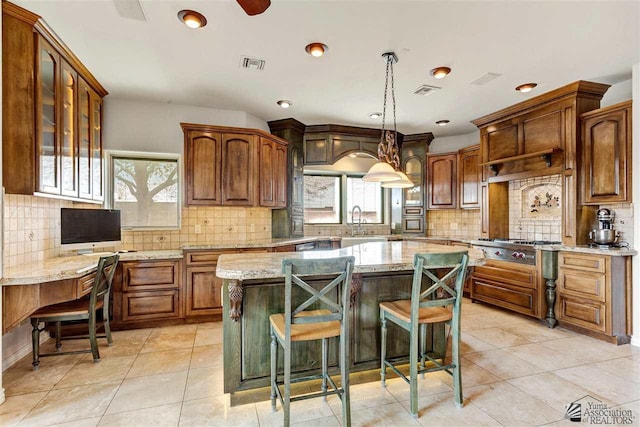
{"x":605,"y":235}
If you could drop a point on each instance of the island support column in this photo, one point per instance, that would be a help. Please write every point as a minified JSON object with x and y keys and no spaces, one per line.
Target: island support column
{"x":550,"y":273}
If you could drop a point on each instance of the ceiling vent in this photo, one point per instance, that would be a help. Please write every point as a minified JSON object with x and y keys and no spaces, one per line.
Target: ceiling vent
{"x":130,"y":9}
{"x":484,"y":79}
{"x":252,"y":63}
{"x":425,"y":90}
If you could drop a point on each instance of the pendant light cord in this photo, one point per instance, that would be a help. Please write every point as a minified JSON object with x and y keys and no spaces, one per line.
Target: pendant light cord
{"x":388,"y":150}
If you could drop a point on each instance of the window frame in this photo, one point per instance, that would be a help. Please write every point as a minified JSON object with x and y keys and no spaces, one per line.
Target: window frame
{"x":110,"y":155}
{"x":343,"y":197}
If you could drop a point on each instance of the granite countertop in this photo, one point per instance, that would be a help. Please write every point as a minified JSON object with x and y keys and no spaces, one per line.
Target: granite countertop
{"x":261,"y":243}
{"x":589,"y":250}
{"x":370,"y":258}
{"x":71,"y":267}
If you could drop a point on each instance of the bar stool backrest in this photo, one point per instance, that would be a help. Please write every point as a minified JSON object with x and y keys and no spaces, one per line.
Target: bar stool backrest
{"x":104,"y":277}
{"x":446,"y":286}
{"x":341,"y":270}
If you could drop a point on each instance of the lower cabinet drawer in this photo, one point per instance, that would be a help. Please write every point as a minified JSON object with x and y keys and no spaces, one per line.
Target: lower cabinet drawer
{"x":150,"y":275}
{"x":522,"y":300}
{"x":413,"y":225}
{"x":85,"y":283}
{"x":584,"y":284}
{"x":580,"y":312}
{"x":150,"y":305}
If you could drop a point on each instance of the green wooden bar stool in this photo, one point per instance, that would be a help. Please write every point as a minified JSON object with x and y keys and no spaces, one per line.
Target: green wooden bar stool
{"x":80,"y":309}
{"x":297,"y":324}
{"x":440,"y":302}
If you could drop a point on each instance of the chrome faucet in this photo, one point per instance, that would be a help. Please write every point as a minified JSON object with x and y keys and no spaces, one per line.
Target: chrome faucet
{"x":353,"y":213}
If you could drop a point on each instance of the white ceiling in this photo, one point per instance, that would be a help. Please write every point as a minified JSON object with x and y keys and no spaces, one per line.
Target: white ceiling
{"x":551,"y":43}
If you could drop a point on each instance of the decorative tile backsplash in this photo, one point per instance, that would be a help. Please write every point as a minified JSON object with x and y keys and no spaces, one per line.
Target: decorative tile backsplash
{"x":456,"y":223}
{"x":345,"y":230}
{"x":32,"y":228}
{"x":534,"y":208}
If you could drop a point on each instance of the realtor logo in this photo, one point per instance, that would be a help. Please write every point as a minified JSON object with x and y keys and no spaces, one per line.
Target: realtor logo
{"x":589,"y":410}
{"x":573,"y":411}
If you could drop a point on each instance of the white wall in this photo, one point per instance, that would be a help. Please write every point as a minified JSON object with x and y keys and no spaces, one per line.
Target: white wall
{"x":446,"y":144}
{"x":153,"y":126}
{"x":617,"y":93}
{"x":635,"y":155}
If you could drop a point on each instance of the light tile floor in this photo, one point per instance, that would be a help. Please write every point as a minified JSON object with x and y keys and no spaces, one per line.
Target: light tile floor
{"x":516,"y":372}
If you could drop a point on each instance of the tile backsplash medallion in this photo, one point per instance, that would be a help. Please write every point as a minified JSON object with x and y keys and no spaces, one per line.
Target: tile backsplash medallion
{"x":455,"y":223}
{"x":32,"y":228}
{"x":534,"y":208}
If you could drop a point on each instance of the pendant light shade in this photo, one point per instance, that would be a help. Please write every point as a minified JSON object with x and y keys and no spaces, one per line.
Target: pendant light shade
{"x":381,"y":172}
{"x":403,"y":182}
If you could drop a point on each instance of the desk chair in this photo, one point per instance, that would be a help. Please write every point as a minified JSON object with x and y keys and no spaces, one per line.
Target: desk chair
{"x":80,"y":309}
{"x":440,"y":302}
{"x":297,"y":324}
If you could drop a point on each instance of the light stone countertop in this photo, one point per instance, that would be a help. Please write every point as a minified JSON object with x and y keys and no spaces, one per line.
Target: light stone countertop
{"x":371,"y":257}
{"x":589,"y":250}
{"x":261,"y":243}
{"x":71,"y":267}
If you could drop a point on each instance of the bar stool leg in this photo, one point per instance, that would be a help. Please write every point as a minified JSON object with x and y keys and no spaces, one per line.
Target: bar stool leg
{"x":344,"y":371}
{"x":413,"y":369}
{"x":35,"y":340}
{"x":325,"y":366}
{"x":286,"y":405}
{"x":423,"y":346}
{"x":455,"y":358}
{"x":92,"y":338}
{"x":58,"y":336}
{"x":274,"y":369}
{"x":105,"y":321}
{"x":383,"y":348}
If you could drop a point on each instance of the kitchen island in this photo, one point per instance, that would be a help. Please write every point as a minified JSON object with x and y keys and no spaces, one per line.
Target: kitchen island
{"x":253,"y":289}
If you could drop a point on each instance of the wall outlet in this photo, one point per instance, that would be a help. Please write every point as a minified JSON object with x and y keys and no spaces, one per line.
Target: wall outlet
{"x":198,"y":229}
{"x":453,"y":226}
{"x":252,"y":228}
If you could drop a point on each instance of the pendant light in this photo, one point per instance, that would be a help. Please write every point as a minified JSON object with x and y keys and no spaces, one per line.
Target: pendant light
{"x":385,"y":170}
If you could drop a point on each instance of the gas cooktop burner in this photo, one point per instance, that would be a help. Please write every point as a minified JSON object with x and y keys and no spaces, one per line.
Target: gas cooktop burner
{"x":522,"y":242}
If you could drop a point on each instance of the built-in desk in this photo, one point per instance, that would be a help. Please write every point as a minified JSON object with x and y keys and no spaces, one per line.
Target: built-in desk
{"x":28,"y":287}
{"x":253,"y":289}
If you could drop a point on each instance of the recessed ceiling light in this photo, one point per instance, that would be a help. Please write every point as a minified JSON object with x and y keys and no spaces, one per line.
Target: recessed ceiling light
{"x":192,"y":19}
{"x":375,"y":115}
{"x":527,"y":87}
{"x":316,"y":49}
{"x":442,"y":122}
{"x":440,"y":72}
{"x":284,"y":103}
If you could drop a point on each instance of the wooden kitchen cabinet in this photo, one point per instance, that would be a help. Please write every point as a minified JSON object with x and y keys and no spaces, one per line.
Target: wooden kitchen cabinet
{"x":50,"y":129}
{"x":273,"y":167}
{"x":203,"y":288}
{"x":442,"y":177}
{"x":414,"y":155}
{"x":148,"y":291}
{"x":234,"y":167}
{"x":469,"y":177}
{"x":594,"y":294}
{"x":606,"y":155}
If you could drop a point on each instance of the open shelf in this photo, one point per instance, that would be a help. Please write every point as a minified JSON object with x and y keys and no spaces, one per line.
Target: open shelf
{"x":545,"y":154}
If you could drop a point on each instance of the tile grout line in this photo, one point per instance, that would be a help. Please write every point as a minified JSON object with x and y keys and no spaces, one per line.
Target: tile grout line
{"x":184,"y":392}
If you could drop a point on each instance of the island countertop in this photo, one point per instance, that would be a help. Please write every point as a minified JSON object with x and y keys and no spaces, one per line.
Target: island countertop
{"x":371,"y":257}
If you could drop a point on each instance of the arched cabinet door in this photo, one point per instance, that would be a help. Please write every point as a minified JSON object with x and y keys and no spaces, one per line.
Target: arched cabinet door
{"x":238,"y":155}
{"x":413,"y":167}
{"x":442,"y":178}
{"x":202,"y":169}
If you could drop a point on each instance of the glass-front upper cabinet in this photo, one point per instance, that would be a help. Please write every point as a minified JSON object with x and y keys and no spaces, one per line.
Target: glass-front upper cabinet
{"x":84,"y":140}
{"x":413,"y":167}
{"x":68,"y":158}
{"x":47,"y":119}
{"x":96,"y":148}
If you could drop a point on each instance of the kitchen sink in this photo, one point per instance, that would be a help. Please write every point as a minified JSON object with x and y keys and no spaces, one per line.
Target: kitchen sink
{"x":351,"y":241}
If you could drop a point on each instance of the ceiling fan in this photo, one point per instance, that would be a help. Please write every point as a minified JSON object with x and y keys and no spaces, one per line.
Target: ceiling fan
{"x":132,"y":9}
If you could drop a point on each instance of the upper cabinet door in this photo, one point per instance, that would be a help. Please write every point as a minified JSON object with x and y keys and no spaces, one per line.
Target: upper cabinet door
{"x":47,"y":112}
{"x":68,"y":133}
{"x":442,"y":188}
{"x":413,"y":168}
{"x":238,"y":157}
{"x":97,"y":165}
{"x":469,"y":178}
{"x":85,"y":176}
{"x":297,"y":174}
{"x":267,"y":172}
{"x":606,"y":150}
{"x":280,"y":176}
{"x":202,"y":169}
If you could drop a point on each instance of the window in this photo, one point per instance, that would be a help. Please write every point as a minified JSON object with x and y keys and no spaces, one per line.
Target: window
{"x":366,"y":195}
{"x":145,"y":188}
{"x":321,"y":199}
{"x":329,"y":199}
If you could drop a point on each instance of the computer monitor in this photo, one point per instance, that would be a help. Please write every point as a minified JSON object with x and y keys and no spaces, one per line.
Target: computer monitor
{"x":82,"y":229}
